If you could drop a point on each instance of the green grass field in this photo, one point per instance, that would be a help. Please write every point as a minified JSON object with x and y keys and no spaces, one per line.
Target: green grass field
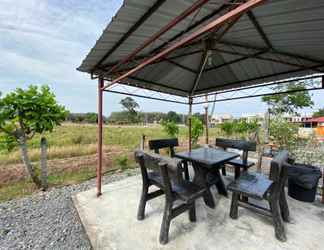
{"x":72,"y":140}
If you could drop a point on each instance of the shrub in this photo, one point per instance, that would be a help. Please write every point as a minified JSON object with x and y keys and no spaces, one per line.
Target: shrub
{"x":241,"y":128}
{"x":197,"y":129}
{"x":283,"y":133}
{"x":170,"y":128}
{"x":122,"y":161}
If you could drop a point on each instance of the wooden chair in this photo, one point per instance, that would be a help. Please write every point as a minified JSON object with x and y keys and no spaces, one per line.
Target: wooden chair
{"x":242,"y":145}
{"x":165,"y":173}
{"x":158,"y":144}
{"x":260,"y":187}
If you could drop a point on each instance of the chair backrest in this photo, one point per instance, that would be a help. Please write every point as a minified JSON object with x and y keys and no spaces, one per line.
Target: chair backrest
{"x":157,"y":163}
{"x":243,"y":145}
{"x":279,"y":171}
{"x":156,"y":145}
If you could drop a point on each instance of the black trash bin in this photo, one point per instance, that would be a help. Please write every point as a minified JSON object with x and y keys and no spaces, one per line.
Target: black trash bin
{"x":302,"y":182}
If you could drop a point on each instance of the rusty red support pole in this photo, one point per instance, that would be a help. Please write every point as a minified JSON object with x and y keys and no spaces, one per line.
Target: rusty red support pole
{"x":100,"y":125}
{"x":189,"y":123}
{"x":203,"y":30}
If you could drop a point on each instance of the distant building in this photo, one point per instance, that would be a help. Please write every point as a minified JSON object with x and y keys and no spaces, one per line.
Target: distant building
{"x":253,"y":116}
{"x":221,"y":118}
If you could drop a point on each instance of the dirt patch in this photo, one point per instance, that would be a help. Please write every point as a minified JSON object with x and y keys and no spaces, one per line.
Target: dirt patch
{"x":17,"y":172}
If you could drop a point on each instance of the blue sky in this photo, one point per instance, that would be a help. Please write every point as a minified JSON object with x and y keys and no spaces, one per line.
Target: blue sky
{"x":44,"y":41}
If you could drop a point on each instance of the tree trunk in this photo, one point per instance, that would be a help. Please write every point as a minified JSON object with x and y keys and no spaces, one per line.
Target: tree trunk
{"x":43,"y":163}
{"x":26,"y":160}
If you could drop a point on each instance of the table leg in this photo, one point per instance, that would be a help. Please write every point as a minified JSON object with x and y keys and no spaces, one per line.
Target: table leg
{"x":219,"y":183}
{"x":201,"y":180}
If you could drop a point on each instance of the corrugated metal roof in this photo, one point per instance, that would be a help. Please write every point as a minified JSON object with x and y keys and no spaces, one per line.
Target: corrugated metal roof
{"x":293,"y":27}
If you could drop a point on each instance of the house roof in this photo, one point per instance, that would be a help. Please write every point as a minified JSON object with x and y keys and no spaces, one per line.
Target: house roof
{"x":276,"y":40}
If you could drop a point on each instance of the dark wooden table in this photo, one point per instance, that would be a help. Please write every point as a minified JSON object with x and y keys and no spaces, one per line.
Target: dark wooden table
{"x":207,"y":163}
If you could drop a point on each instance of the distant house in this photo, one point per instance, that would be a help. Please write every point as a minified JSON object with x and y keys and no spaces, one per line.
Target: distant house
{"x":253,"y":117}
{"x":316,"y":123}
{"x":221,"y":118}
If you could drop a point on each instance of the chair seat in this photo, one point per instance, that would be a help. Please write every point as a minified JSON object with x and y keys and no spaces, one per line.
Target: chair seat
{"x":253,"y":185}
{"x":239,"y":163}
{"x":186,"y":191}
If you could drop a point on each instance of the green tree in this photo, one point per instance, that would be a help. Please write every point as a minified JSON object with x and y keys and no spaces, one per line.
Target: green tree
{"x":130,"y":105}
{"x":24,"y":113}
{"x":91,"y":117}
{"x":319,"y":113}
{"x":173,"y":116}
{"x":288,"y":102}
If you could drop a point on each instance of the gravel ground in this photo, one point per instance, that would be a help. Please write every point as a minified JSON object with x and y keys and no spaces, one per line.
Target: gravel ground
{"x":47,"y":220}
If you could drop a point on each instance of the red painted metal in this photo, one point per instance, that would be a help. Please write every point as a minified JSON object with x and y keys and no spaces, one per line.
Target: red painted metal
{"x":190,"y":123}
{"x":169,"y":26}
{"x":207,"y":28}
{"x":100,"y":121}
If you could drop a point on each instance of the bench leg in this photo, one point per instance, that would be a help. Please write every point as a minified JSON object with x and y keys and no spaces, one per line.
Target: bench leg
{"x":224,"y":171}
{"x":234,"y":205}
{"x":186,"y":170}
{"x":141,"y":207}
{"x":277,"y":220}
{"x":167,"y":216}
{"x":284,"y":206}
{"x":192,"y":212}
{"x":220,"y":184}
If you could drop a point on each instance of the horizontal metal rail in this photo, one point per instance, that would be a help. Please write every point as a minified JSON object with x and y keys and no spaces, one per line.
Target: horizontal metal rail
{"x":145,"y":97}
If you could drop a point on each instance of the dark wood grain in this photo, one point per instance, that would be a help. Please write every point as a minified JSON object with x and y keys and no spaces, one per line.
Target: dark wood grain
{"x":258,"y":186}
{"x":165,"y":173}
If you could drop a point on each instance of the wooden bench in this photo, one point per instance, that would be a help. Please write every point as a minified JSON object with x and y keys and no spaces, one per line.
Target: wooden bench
{"x":164,"y":173}
{"x":244,"y":146}
{"x":158,"y":144}
{"x":261,"y":187}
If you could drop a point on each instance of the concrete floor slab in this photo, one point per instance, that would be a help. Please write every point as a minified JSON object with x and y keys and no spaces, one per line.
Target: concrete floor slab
{"x":110,"y":222}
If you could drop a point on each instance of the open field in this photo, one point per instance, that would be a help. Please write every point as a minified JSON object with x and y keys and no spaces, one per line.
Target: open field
{"x":72,"y":155}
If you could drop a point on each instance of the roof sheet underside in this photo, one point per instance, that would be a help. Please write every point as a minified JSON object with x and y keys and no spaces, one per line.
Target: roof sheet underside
{"x":242,"y":57}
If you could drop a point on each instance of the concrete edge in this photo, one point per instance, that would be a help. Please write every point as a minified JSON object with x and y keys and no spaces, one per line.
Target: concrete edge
{"x":81,"y":218}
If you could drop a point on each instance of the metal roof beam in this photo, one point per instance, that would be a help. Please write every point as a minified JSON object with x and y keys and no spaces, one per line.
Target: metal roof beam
{"x":257,"y":55}
{"x":258,"y":27}
{"x":203,"y":62}
{"x":273,"y":51}
{"x":198,"y":4}
{"x":237,"y":60}
{"x":262,"y":85}
{"x":201,"y":91}
{"x":156,"y":84}
{"x":147,"y":15}
{"x":181,"y":66}
{"x":205,"y":29}
{"x":195,"y":25}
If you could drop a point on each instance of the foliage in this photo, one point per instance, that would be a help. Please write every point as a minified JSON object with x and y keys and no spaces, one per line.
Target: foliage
{"x":131,"y":106}
{"x":242,"y":128}
{"x":283,"y":133}
{"x":170,"y":128}
{"x":174,"y":117}
{"x":200,"y":116}
{"x":24,"y":113}
{"x":289,"y":102}
{"x":30,"y":111}
{"x":121,"y":161}
{"x":319,"y":113}
{"x":7,"y":142}
{"x":83,"y":117}
{"x":197,"y":129}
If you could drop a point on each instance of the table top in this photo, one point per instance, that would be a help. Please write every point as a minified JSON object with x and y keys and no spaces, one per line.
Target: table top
{"x":207,"y":156}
